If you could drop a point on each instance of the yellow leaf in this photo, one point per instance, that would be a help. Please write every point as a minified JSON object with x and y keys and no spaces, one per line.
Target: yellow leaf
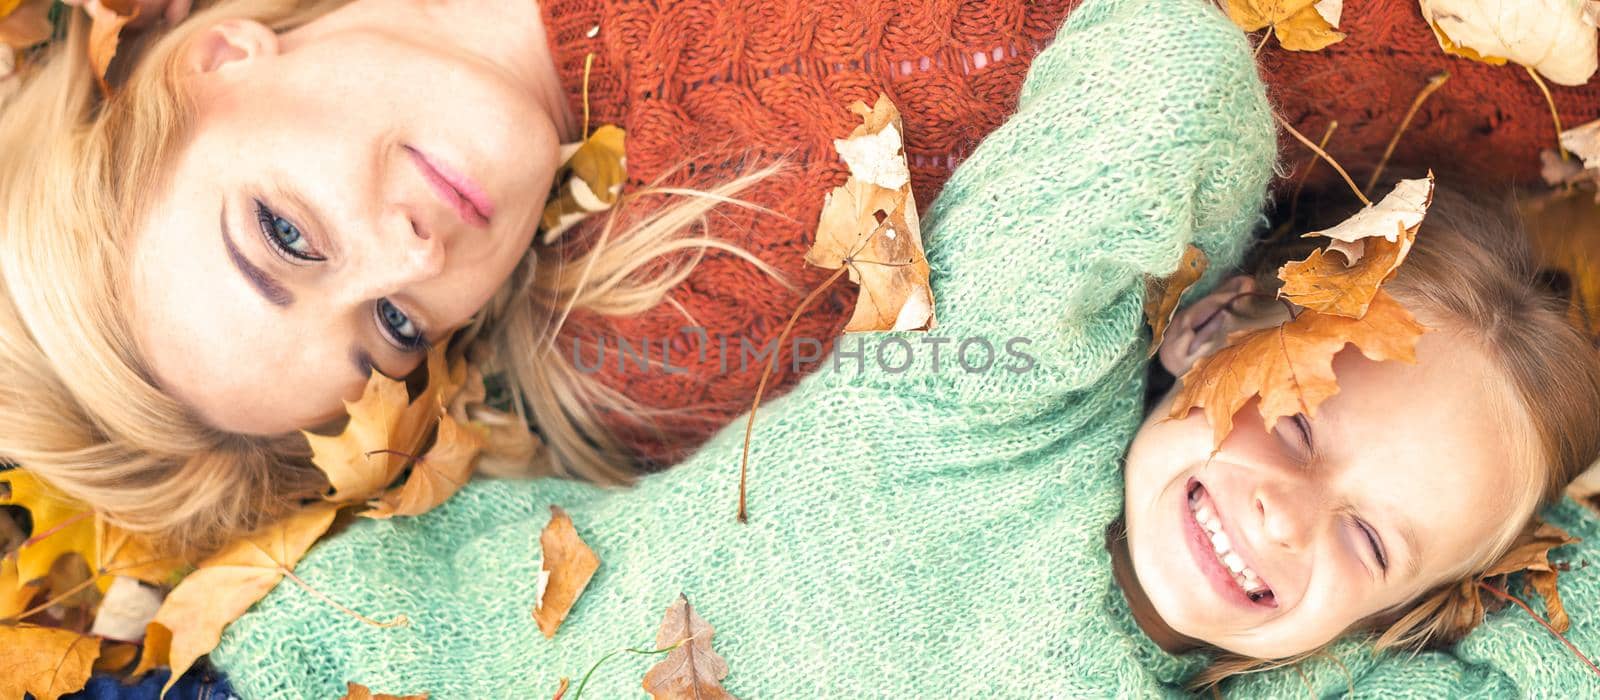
{"x":14,"y":594}
{"x":570,"y":564}
{"x":1299,"y":24}
{"x":874,"y":231}
{"x":1550,"y":36}
{"x":1161,"y":295}
{"x":224,"y":586}
{"x":61,"y":525}
{"x":437,"y":476}
{"x":48,"y":663}
{"x":1290,"y":366}
{"x":693,"y":670}
{"x":589,"y":180}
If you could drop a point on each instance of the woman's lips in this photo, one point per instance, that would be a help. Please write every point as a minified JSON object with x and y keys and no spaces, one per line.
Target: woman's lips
{"x":459,"y":191}
{"x":1205,"y":557}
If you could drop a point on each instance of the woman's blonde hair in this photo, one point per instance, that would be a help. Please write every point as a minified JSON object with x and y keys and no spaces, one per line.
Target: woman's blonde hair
{"x":1473,"y":268}
{"x":80,"y":407}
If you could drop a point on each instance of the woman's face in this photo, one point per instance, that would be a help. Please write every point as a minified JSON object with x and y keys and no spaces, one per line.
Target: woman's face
{"x":351,"y":191}
{"x":1284,"y":538}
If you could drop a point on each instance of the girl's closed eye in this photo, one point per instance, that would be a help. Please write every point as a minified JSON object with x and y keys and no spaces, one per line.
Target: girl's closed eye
{"x":285,"y":237}
{"x":1295,"y":433}
{"x":1373,"y":542}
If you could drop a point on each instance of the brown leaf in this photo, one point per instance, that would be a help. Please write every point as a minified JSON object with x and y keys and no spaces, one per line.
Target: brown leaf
{"x":1290,"y":366}
{"x":570,"y":564}
{"x":1531,"y":550}
{"x":356,"y":691}
{"x":115,"y":656}
{"x":692,"y":670}
{"x":224,"y":586}
{"x":48,"y":663}
{"x":1544,"y":582}
{"x":106,"y":20}
{"x":437,"y":476}
{"x":24,"y":23}
{"x":1298,"y":24}
{"x":870,"y":225}
{"x":1161,"y":295}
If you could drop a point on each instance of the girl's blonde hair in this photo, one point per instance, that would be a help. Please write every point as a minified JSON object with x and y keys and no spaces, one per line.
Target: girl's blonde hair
{"x":80,"y":407}
{"x":1473,"y":268}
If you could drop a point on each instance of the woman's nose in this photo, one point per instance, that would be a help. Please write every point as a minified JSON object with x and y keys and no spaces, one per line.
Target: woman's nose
{"x":399,"y":256}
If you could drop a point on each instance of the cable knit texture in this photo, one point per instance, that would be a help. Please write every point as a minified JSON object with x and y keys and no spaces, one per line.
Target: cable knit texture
{"x":704,"y":86}
{"x":915,"y":534}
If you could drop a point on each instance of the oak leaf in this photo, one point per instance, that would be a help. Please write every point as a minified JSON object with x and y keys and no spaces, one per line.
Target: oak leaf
{"x":1300,"y":25}
{"x":692,"y":670}
{"x":1554,"y":37}
{"x":1161,"y":295}
{"x":356,"y":691}
{"x":46,"y":662}
{"x":569,"y":563}
{"x":225,"y":585}
{"x":1371,"y":245}
{"x":873,"y":229}
{"x":1290,"y":366}
{"x":437,"y":475}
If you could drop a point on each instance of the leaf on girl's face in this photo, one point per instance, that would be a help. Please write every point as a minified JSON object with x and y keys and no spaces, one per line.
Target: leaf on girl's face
{"x":1371,"y":245}
{"x":46,"y":662}
{"x":872,"y":227}
{"x":570,"y":564}
{"x":692,"y":670}
{"x":225,"y":585}
{"x":1300,"y":25}
{"x":1290,"y":366}
{"x":1555,"y":37}
{"x":1161,"y":295}
{"x":356,"y":691}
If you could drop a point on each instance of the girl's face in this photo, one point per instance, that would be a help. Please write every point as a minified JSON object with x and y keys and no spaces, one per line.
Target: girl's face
{"x":1287,"y":537}
{"x":351,"y":191}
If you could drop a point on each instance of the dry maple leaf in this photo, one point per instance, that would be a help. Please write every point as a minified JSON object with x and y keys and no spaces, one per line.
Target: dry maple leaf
{"x":435,"y":477}
{"x":1371,"y":245}
{"x":1161,"y":295}
{"x":15,"y":594}
{"x":356,"y":691}
{"x":872,"y":228}
{"x":1300,"y":25}
{"x":1553,"y":37}
{"x":692,"y":669}
{"x":61,"y":524}
{"x":224,"y":586}
{"x":1290,"y":366}
{"x":43,"y":661}
{"x":570,"y":564}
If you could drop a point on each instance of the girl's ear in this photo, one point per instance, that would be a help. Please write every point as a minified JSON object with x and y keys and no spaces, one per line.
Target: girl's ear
{"x":229,"y":43}
{"x":1202,"y":327}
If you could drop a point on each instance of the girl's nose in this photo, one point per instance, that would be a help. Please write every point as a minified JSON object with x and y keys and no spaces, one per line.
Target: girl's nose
{"x":1287,"y":511}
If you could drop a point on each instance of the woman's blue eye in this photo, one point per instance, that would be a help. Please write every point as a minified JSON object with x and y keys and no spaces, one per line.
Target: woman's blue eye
{"x":399,"y":326}
{"x":284,"y":235}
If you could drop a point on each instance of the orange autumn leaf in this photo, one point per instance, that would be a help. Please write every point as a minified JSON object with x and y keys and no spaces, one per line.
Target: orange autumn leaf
{"x":569,"y":563}
{"x":692,"y":670}
{"x":115,"y":656}
{"x":106,"y":20}
{"x":1371,"y":245}
{"x":435,"y":477}
{"x":561,"y":690}
{"x":1290,"y":366}
{"x":356,"y":691}
{"x":870,"y":226}
{"x":46,"y":662}
{"x":1298,"y":24}
{"x":225,"y":585}
{"x":1530,"y":554}
{"x":1161,"y":295}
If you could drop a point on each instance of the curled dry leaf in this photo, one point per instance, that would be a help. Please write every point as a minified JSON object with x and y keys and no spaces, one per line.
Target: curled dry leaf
{"x":435,"y":477}
{"x":591,"y":176}
{"x":1371,"y":246}
{"x":1161,"y":295}
{"x":225,"y":585}
{"x":1530,"y":555}
{"x":125,"y":611}
{"x":106,"y":21}
{"x":692,"y":670}
{"x":46,"y":662}
{"x":1550,"y":36}
{"x":1582,"y":141}
{"x":356,"y":691}
{"x":569,"y":563}
{"x":1290,"y":366}
{"x":1300,"y":25}
{"x":873,"y":229}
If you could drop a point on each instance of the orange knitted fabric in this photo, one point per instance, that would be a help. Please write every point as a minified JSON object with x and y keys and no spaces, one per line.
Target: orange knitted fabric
{"x":706,"y":86}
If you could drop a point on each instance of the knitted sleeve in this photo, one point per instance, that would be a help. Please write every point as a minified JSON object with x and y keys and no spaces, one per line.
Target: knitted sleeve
{"x":1113,"y":164}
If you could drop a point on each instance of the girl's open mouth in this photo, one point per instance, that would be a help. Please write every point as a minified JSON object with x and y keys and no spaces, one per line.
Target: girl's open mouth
{"x":1215,"y":554}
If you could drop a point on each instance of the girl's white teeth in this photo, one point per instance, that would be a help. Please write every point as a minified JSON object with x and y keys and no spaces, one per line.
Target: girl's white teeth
{"x":1243,"y":575}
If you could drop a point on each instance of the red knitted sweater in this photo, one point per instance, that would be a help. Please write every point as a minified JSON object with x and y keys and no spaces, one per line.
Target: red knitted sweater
{"x":704,"y":87}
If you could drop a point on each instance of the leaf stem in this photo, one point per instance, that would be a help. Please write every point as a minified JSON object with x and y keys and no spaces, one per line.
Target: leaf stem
{"x":1324,"y":155}
{"x":1507,"y":596}
{"x":398,"y":621}
{"x":58,"y":528}
{"x":1551,"y":101}
{"x":1434,"y":83}
{"x":607,"y":657}
{"x":1300,"y":184}
{"x":750,"y":424}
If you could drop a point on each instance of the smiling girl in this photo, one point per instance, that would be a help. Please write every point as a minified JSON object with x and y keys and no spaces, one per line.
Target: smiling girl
{"x":940,"y":533}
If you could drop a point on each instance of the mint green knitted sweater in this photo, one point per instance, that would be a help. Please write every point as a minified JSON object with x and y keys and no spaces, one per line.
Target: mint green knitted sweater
{"x":927,"y":533}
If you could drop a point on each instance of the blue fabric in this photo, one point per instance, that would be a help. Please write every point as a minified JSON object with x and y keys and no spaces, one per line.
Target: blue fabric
{"x":200,"y":683}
